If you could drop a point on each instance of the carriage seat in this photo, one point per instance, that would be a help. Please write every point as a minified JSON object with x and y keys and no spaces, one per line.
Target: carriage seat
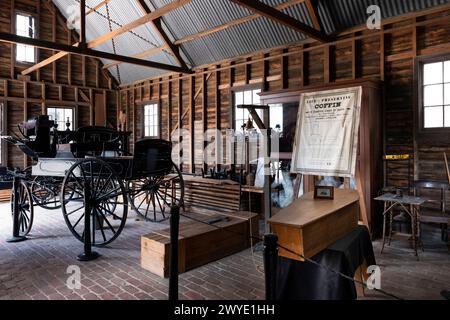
{"x":95,"y":140}
{"x":42,"y":145}
{"x":152,"y":157}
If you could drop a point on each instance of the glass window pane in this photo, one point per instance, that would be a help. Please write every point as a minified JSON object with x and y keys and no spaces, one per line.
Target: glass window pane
{"x":447,"y":71}
{"x":447,"y":116}
{"x":256,"y":97}
{"x":447,"y":93}
{"x":433,"y":95}
{"x":20,"y":52}
{"x":276,"y":116}
{"x":248,"y":97}
{"x":432,"y":73}
{"x":29,"y":56}
{"x":434,"y":117}
{"x":239,"y":98}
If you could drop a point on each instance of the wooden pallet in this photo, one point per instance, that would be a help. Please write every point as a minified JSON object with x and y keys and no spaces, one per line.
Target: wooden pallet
{"x":199,"y":243}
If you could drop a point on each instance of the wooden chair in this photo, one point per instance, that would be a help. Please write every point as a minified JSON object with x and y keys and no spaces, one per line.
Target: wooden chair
{"x":437,"y":214}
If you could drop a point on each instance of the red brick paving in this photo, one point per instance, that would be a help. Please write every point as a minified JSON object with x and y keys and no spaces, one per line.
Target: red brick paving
{"x":36,"y":269}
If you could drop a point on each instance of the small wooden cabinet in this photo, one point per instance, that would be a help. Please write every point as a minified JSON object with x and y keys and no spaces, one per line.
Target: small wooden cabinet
{"x":370,"y":138}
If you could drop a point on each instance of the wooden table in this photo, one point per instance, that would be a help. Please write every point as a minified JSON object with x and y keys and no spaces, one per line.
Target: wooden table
{"x":390,"y":202}
{"x":310,"y":225}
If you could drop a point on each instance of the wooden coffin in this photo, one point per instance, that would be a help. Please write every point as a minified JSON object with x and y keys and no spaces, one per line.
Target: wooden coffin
{"x":198,"y":243}
{"x":310,"y":225}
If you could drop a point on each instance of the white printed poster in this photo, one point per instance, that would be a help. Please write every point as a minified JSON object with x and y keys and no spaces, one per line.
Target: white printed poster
{"x":326,"y":138}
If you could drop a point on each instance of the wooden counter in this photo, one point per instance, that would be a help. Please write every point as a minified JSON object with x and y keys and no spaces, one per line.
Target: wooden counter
{"x":310,"y":225}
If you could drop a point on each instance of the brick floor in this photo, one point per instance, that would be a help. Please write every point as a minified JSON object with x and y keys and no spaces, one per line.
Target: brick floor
{"x":36,"y":268}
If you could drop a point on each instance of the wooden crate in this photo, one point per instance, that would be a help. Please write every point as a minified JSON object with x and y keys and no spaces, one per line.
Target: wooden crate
{"x":310,"y":225}
{"x":5,"y":195}
{"x":199,"y":244}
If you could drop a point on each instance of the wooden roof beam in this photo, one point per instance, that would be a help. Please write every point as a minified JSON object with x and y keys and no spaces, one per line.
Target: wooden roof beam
{"x":43,"y":44}
{"x":285,"y":19}
{"x":207,"y":32}
{"x":132,"y":25}
{"x":101,"y":4}
{"x":157,"y":25}
{"x":313,"y":9}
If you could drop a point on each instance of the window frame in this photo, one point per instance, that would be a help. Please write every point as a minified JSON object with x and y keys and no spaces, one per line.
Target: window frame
{"x":74,"y":116}
{"x":158,"y":108}
{"x":233,"y":92}
{"x":36,"y":36}
{"x":419,"y":99}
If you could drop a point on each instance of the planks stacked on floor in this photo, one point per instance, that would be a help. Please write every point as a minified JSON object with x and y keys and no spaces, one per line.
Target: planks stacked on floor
{"x":210,"y":196}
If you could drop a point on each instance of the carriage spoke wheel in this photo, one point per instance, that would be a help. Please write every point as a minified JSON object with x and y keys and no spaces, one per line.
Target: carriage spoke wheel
{"x":152,"y":197}
{"x":26,"y":213}
{"x":106,"y":199}
{"x":46,"y":192}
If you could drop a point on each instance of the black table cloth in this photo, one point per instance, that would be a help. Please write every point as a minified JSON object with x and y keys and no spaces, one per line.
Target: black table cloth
{"x":306,"y":281}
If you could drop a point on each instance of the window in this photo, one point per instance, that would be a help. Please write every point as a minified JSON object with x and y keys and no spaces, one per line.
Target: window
{"x":245,"y":97}
{"x":151,"y":120}
{"x":61,"y":117}
{"x":25,"y":27}
{"x":276,"y":117}
{"x":436,"y":94}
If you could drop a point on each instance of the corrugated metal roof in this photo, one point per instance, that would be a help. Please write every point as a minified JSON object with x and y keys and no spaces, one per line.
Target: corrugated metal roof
{"x":201,"y":15}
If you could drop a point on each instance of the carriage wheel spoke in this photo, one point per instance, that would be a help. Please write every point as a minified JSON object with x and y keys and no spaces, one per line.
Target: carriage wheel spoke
{"x":101,"y":227}
{"x":81,"y":217}
{"x":71,"y":212}
{"x":107,"y":222}
{"x":98,"y":179}
{"x":105,"y":184}
{"x":111,"y":213}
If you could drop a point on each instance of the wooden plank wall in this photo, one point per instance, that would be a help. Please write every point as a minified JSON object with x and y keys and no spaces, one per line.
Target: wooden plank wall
{"x":387,"y":54}
{"x":71,"y":81}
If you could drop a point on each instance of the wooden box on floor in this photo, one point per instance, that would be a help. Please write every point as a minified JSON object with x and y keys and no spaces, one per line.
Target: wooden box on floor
{"x":310,"y":225}
{"x":199,"y":243}
{"x":5,"y":195}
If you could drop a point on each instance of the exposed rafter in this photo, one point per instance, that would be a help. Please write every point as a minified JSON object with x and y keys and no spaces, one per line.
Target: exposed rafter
{"x":101,"y":4}
{"x":91,"y":44}
{"x":205,"y":33}
{"x":280,"y":17}
{"x":43,"y":44}
{"x":157,"y":25}
{"x":313,"y":9}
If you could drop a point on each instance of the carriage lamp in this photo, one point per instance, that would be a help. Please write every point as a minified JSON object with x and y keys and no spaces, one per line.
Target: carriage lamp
{"x":249,"y":125}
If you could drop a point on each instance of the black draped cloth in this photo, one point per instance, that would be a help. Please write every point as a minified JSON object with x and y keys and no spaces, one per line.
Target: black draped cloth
{"x":306,"y":281}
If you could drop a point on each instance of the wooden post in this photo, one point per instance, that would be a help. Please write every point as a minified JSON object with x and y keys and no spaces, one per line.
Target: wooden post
{"x":192,"y":121}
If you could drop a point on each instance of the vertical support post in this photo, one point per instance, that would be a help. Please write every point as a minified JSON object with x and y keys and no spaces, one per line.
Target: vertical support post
{"x":88,"y":254}
{"x":83,"y":23}
{"x":16,"y":237}
{"x":267,"y":176}
{"x":173,"y":269}
{"x":270,"y":265}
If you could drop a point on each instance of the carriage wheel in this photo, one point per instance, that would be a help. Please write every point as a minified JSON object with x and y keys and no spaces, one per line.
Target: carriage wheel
{"x":26,"y":213}
{"x":107,"y":199}
{"x":152,"y":197}
{"x":46,"y":192}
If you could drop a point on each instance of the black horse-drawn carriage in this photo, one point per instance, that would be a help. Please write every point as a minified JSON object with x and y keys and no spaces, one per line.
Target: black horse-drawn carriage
{"x":89,"y":173}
